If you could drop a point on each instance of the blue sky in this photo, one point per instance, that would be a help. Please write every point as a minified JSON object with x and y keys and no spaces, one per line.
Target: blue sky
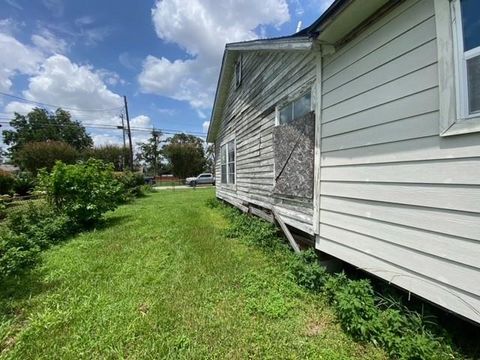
{"x":163,"y":55}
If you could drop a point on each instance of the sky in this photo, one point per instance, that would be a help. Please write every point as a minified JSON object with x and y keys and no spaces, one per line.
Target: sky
{"x":164,"y":56}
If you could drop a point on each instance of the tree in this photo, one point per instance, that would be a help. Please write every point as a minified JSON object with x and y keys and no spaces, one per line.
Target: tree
{"x":34,"y":156}
{"x":112,"y":154}
{"x":40,"y":125}
{"x":185,"y":154}
{"x":150,"y":152}
{"x":210,"y":158}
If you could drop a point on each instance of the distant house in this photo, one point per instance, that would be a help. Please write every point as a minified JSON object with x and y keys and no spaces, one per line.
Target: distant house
{"x":362,"y":132}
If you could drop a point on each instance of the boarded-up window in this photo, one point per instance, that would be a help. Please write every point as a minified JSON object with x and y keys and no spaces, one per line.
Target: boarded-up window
{"x":294,"y":145}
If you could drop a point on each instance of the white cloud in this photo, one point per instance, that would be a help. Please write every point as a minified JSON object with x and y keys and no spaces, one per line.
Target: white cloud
{"x":110,"y":77}
{"x":18,"y":107}
{"x":49,"y":43}
{"x":56,"y":80}
{"x":141,"y":121}
{"x":73,"y":86}
{"x":84,"y":20}
{"x":205,"y":126}
{"x":93,"y":36}
{"x":14,"y":4}
{"x":319,"y":5}
{"x":19,"y":58}
{"x":9,"y":26}
{"x":76,"y":86}
{"x":56,"y":7}
{"x":107,"y":139}
{"x":202,"y":28}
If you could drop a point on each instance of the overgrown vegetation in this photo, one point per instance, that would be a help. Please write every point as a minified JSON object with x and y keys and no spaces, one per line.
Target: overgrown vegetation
{"x":364,"y":314}
{"x":76,"y":197}
{"x":6,"y":182}
{"x":160,"y":280}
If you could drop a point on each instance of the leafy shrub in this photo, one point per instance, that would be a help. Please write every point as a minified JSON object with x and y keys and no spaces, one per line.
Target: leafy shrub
{"x":84,"y":191}
{"x":24,"y":184}
{"x":6,"y":182}
{"x":132,"y":184}
{"x":34,"y":156}
{"x":17,"y":253}
{"x":307,"y":270}
{"x":39,"y":222}
{"x":3,"y":209}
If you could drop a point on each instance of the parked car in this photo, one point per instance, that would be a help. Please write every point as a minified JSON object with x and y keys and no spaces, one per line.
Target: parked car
{"x":201,"y":179}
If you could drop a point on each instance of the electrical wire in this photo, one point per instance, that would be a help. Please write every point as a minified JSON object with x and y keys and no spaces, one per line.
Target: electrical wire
{"x":57,"y":106}
{"x":116,"y":127}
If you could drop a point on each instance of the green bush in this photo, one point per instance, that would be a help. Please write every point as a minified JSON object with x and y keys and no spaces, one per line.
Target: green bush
{"x":3,"y":209}
{"x":307,"y":270}
{"x":24,"y":184}
{"x":132,"y":183}
{"x":39,"y":222}
{"x":6,"y":182}
{"x":84,"y":191}
{"x":17,"y":253}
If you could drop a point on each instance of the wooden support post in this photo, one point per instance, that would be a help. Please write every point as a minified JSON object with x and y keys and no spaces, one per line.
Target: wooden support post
{"x":287,"y":232}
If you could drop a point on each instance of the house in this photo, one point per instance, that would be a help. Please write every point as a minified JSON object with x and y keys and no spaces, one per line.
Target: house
{"x":362,"y":132}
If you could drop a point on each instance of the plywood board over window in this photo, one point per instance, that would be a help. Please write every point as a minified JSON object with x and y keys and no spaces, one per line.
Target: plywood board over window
{"x":294,"y":145}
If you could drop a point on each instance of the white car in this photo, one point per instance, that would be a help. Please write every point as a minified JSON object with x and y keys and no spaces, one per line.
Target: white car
{"x":206,"y":178}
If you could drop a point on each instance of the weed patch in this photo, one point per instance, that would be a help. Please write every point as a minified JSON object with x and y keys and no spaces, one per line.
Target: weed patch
{"x":362,"y":313}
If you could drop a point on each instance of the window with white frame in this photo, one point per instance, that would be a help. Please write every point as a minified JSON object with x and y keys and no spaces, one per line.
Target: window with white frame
{"x":466,"y":21}
{"x":295,"y":109}
{"x":227,"y":162}
{"x":458,"y":37}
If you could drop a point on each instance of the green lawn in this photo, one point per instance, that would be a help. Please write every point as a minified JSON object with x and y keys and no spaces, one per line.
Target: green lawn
{"x":160,"y":280}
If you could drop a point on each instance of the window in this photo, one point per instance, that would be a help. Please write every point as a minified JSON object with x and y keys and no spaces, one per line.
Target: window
{"x":238,"y":72}
{"x":295,"y":109}
{"x":227,"y":162}
{"x":466,"y":20}
{"x":458,"y":33}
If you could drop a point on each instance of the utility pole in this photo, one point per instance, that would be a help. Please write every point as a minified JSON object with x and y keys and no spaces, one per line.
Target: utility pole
{"x":124,"y":142}
{"x":155,"y":152}
{"x":129,"y":132}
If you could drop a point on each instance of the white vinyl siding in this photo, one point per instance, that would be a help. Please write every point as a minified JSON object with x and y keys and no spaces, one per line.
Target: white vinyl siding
{"x":397,"y":199}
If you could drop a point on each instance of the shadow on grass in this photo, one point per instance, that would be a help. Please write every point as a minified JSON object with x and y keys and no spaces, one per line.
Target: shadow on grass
{"x":114,"y":220}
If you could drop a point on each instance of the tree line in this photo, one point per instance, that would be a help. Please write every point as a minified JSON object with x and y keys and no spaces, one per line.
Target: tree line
{"x":40,"y":138}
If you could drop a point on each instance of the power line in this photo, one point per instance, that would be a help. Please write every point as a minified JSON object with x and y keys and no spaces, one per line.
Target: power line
{"x":57,"y":106}
{"x":116,"y":127}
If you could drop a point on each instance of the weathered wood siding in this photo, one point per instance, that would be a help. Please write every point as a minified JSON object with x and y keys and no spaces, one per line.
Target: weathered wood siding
{"x":397,"y":199}
{"x":249,"y":115}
